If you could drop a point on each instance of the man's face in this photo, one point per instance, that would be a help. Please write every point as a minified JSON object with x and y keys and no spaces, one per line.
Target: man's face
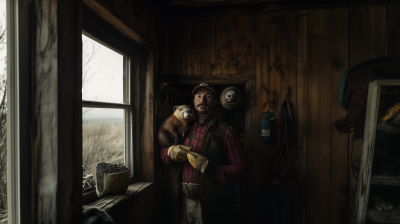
{"x":204,"y":100}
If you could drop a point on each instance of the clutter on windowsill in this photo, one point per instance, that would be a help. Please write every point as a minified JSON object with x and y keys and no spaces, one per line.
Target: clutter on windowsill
{"x":111,"y":201}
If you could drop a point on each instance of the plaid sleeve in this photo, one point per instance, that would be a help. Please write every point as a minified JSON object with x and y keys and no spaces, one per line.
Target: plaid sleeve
{"x":238,"y":169}
{"x":164,"y":155}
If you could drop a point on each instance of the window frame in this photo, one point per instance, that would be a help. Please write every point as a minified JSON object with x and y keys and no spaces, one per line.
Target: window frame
{"x":103,"y":33}
{"x":19,"y":75}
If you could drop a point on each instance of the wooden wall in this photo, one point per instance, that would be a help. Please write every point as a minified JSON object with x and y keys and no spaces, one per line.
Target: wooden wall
{"x":307,"y":51}
{"x":140,"y":16}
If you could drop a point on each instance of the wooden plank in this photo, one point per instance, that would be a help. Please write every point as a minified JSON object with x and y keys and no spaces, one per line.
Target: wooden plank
{"x":175,"y":67}
{"x":275,"y":26}
{"x":229,"y":31}
{"x":358,"y":41}
{"x":378,"y":31}
{"x":130,"y":17}
{"x":236,"y":78}
{"x":262,"y":154}
{"x":301,"y":115}
{"x":166,"y":60}
{"x":250,"y":135}
{"x":394,"y":31}
{"x":147,"y":133}
{"x":108,"y":202}
{"x":339,"y":153}
{"x":324,"y":136}
{"x":144,"y":19}
{"x":124,"y":11}
{"x":196,"y":46}
{"x":246,"y":44}
{"x":313,"y":116}
{"x":117,"y":8}
{"x":136,"y":14}
{"x":45,"y":144}
{"x":362,"y":193}
{"x":289,"y":76}
{"x":205,"y":52}
{"x":69,"y":124}
{"x":187,"y":46}
{"x":216,"y":46}
{"x":269,"y":7}
{"x":115,"y":22}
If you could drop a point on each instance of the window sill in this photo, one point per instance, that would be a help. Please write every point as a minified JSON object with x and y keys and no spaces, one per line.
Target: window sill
{"x":108,"y":202}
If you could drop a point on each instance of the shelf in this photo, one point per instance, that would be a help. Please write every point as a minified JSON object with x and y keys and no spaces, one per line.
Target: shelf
{"x":389,"y":180}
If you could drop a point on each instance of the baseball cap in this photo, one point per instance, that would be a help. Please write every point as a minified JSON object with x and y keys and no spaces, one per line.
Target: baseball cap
{"x":205,"y":85}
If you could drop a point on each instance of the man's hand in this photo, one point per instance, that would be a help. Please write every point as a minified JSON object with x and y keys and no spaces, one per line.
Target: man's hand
{"x":198,"y":161}
{"x":178,"y":153}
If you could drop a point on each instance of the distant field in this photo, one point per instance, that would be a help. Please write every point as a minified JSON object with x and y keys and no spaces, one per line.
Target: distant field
{"x":103,"y":141}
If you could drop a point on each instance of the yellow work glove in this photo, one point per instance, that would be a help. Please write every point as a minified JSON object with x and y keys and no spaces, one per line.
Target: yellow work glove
{"x":178,"y":153}
{"x":198,"y":161}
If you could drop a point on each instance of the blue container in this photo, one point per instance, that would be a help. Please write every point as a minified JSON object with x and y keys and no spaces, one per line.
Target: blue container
{"x":265,"y":129}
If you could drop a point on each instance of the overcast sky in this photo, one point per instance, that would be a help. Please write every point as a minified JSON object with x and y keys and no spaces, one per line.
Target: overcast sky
{"x":105,"y":79}
{"x":105,"y":72}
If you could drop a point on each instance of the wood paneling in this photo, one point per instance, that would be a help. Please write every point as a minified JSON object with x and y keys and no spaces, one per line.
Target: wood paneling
{"x":308,"y":51}
{"x":339,"y":149}
{"x":313,"y":56}
{"x":324,"y":128}
{"x":246,"y":44}
{"x":300,"y":117}
{"x":229,"y":31}
{"x":394,"y":31}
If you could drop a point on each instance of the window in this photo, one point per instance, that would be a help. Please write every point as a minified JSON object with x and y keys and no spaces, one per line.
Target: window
{"x":106,"y":108}
{"x":3,"y":113}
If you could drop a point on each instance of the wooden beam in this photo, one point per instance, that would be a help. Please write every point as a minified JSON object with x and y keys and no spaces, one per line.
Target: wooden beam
{"x":57,"y":112}
{"x":118,"y":24}
{"x":233,"y":78}
{"x":270,"y":6}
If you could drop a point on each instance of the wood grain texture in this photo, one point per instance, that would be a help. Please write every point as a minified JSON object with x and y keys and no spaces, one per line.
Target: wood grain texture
{"x":147,"y":134}
{"x":233,"y":78}
{"x":324,"y":128}
{"x":313,"y":77}
{"x":45,"y":104}
{"x":69,"y":102}
{"x":358,"y":46}
{"x":249,"y":140}
{"x":394,"y":31}
{"x":229,"y":31}
{"x":205,"y":46}
{"x":187,"y":46}
{"x":175,"y":43}
{"x":363,"y":186}
{"x":120,"y":26}
{"x":216,"y":46}
{"x":339,"y":166}
{"x":289,"y":76}
{"x":246,"y":44}
{"x":262,"y":160}
{"x":196,"y":46}
{"x":275,"y":26}
{"x":300,"y":164}
{"x":378,"y":31}
{"x":269,"y":7}
{"x":108,"y":202}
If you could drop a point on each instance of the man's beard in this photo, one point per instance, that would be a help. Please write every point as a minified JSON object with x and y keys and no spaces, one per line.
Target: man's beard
{"x":204,"y":111}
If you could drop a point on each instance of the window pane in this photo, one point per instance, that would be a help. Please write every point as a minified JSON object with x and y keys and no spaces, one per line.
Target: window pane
{"x":3,"y":112}
{"x":102,"y":139}
{"x":102,"y":72}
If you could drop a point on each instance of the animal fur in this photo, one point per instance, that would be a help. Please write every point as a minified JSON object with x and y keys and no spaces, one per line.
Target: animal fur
{"x":175,"y":126}
{"x":93,"y":215}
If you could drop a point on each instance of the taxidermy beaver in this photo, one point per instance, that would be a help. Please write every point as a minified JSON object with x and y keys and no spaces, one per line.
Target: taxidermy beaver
{"x":175,"y":126}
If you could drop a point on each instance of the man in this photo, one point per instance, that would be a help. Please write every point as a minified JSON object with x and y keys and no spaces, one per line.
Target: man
{"x":204,"y":177}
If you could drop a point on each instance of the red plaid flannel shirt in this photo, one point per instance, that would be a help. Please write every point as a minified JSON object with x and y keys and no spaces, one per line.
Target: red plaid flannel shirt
{"x":234,"y":172}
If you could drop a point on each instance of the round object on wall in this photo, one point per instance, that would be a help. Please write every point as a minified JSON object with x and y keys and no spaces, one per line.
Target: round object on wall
{"x":230,"y":98}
